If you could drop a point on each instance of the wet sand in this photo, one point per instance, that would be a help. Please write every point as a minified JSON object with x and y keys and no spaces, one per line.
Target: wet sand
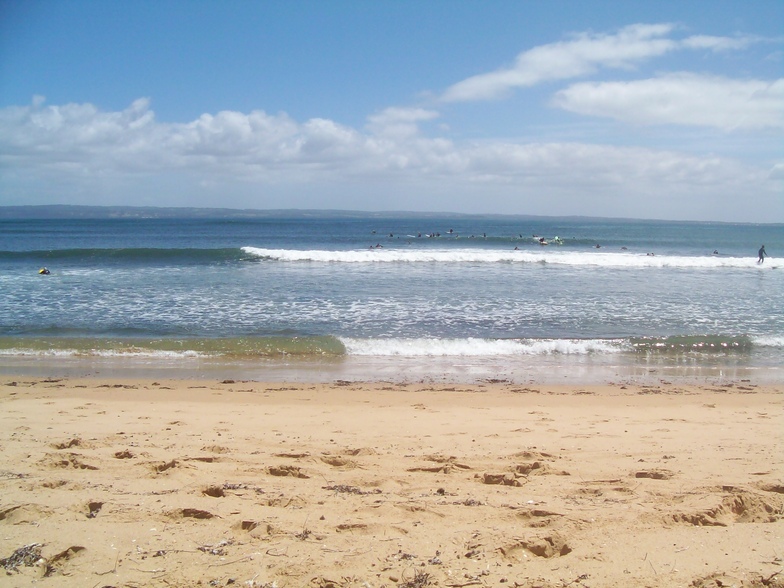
{"x":131,"y":482}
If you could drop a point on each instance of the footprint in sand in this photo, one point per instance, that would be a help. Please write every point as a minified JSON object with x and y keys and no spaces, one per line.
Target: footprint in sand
{"x":739,"y":507}
{"x":287,"y":470}
{"x":69,"y":460}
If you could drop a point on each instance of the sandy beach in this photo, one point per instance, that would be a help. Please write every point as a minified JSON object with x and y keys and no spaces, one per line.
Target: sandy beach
{"x":131,"y":482}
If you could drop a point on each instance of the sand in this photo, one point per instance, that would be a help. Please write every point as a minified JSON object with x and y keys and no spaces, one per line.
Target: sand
{"x":131,"y":482}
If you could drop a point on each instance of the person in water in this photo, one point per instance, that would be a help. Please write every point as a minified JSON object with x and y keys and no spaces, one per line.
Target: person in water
{"x":762,"y":254}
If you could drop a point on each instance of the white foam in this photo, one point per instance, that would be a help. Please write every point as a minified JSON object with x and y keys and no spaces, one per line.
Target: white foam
{"x":771,"y":341}
{"x":473,"y":347}
{"x":554,"y":257}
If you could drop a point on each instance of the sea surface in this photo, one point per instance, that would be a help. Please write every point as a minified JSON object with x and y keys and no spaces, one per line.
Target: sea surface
{"x":391,"y":298}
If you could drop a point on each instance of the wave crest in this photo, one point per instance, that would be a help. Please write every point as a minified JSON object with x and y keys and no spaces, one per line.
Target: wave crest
{"x":479,"y":347}
{"x":554,"y":257}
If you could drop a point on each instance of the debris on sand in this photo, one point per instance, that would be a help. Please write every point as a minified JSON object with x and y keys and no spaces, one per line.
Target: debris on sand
{"x":29,"y":555}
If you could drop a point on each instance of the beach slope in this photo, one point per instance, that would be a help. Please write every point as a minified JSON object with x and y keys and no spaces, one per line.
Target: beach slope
{"x":181,"y":483}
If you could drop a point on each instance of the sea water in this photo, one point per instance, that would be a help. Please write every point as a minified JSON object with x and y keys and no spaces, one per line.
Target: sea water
{"x":363,"y":296}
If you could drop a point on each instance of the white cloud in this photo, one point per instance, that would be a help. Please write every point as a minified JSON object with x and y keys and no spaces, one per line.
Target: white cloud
{"x":777,"y":172}
{"x":582,"y":55}
{"x":259,"y":146}
{"x":79,"y":148}
{"x":49,"y":134}
{"x":131,"y":140}
{"x":399,"y":122}
{"x":717,"y":43}
{"x":682,"y":99}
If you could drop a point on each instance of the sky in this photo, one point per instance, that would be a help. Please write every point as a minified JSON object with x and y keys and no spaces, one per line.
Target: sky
{"x":633,"y":109}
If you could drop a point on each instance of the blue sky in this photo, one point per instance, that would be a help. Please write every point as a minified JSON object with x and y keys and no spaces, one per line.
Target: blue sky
{"x":662,"y":109}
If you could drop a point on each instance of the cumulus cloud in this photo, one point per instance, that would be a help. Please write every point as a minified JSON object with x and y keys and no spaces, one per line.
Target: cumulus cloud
{"x":682,"y":99}
{"x":77,"y":127}
{"x":583,"y":54}
{"x":132,"y":140}
{"x":257,"y":145}
{"x":81,"y":139}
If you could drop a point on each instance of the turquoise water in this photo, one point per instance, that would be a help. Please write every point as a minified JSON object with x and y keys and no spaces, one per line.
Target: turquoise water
{"x":467,"y":294}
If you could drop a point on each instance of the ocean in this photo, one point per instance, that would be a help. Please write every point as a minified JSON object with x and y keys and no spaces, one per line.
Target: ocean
{"x":311,"y":296}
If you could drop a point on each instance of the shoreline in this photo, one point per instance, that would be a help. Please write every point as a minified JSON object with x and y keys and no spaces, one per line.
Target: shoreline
{"x":458,"y":370}
{"x":121,"y":481}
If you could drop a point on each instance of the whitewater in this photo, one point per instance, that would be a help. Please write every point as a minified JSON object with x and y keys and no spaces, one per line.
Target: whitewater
{"x":575,"y":259}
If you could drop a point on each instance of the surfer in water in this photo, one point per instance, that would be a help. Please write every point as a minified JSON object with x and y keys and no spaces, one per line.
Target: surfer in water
{"x":762,"y":254}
